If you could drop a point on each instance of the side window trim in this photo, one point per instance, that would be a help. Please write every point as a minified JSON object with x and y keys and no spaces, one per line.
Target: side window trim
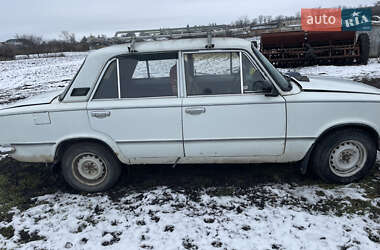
{"x":118,"y":78}
{"x":181,"y":75}
{"x":253,"y":57}
{"x":254,"y":63}
{"x":105,"y":68}
{"x":250,"y":58}
{"x":241,"y":73}
{"x":147,"y":68}
{"x":264,"y":74}
{"x":149,"y":75}
{"x":184,"y":83}
{"x":181,"y":81}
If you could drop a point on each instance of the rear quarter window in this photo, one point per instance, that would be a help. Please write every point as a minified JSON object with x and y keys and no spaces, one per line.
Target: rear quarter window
{"x":108,"y":86}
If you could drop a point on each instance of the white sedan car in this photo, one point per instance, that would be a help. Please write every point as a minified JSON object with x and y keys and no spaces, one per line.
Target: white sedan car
{"x":181,"y":101}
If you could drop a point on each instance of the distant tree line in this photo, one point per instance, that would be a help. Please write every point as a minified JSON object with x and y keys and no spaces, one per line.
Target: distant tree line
{"x":34,"y":45}
{"x":262,"y":19}
{"x":7,"y":53}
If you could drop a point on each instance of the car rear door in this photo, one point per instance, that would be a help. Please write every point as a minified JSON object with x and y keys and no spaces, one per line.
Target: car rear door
{"x":225,"y":113}
{"x":136,"y":104}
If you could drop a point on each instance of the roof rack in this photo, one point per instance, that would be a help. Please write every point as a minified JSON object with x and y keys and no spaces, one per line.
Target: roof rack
{"x":208,"y":32}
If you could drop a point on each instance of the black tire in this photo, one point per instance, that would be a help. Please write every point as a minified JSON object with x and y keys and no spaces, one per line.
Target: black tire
{"x":363,"y":41}
{"x":323,"y":155}
{"x":90,"y":155}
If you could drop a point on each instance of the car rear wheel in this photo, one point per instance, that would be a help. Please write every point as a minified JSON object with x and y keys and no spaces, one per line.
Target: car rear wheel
{"x":344,"y":156}
{"x":90,"y":167}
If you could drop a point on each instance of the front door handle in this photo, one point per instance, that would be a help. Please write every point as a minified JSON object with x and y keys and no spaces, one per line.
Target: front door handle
{"x":195,"y":110}
{"x":100,"y":114}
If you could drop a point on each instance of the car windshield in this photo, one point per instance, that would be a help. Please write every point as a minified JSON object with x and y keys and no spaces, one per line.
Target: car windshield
{"x":283,"y":83}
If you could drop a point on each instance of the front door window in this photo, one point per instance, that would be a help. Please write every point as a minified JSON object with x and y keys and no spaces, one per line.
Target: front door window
{"x":212,"y":73}
{"x":221,"y":73}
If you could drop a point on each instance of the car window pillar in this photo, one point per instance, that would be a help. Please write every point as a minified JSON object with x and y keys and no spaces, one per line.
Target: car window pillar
{"x":118,"y":78}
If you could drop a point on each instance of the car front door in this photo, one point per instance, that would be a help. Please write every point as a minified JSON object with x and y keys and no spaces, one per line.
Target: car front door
{"x":225,"y":112}
{"x":136,"y":104}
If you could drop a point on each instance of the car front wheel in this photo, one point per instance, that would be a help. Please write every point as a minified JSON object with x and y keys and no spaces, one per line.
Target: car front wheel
{"x":344,"y":156}
{"x":90,"y":167}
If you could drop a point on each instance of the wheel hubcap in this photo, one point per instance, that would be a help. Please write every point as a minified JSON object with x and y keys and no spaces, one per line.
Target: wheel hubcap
{"x":347,"y":158}
{"x":89,"y":169}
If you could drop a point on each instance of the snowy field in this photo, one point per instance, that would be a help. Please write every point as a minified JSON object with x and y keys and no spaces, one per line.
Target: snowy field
{"x":354,"y":72}
{"x":166,"y":219}
{"x":190,"y":207}
{"x":20,"y":79}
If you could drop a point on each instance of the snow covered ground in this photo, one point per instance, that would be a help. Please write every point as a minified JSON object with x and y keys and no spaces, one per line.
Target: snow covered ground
{"x":295,"y":214}
{"x":20,"y":79}
{"x":357,"y":72}
{"x":166,"y":219}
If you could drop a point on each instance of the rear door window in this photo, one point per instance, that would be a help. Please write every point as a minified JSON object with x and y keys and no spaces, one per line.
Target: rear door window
{"x":148,"y":75}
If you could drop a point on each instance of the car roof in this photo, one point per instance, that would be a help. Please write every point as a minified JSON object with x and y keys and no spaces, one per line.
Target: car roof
{"x":96,"y":60}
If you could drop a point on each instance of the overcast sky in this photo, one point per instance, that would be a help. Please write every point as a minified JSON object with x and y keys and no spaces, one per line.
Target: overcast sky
{"x":47,"y":18}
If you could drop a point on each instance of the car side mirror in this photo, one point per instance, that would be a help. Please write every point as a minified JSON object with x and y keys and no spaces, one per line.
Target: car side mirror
{"x":266,"y":87}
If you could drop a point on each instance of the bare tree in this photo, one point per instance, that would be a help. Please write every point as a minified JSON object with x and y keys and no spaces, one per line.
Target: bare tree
{"x":242,"y":22}
{"x":29,"y":44}
{"x":280,"y":18}
{"x":68,"y":37}
{"x":7,"y":52}
{"x":30,"y":40}
{"x":261,"y":19}
{"x":254,"y":21}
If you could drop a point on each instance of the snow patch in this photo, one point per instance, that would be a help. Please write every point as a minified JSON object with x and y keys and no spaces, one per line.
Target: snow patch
{"x":358,"y":72}
{"x":167,"y":219}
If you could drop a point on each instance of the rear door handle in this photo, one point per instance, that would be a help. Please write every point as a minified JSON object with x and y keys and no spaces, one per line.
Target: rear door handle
{"x":195,"y":110}
{"x":100,"y":114}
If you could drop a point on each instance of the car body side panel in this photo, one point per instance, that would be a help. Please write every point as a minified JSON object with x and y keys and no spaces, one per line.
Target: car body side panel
{"x":38,"y":142}
{"x":24,"y":123}
{"x":142,"y":127}
{"x":310,"y":114}
{"x":38,"y":152}
{"x":235,"y":125}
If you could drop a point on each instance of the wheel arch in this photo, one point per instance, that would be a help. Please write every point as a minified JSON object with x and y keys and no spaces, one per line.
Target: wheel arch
{"x":367,"y":128}
{"x":64,"y":144}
